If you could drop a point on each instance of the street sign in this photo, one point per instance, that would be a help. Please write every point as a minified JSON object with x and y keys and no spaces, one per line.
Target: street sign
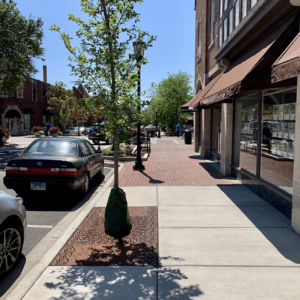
{"x":85,"y":118}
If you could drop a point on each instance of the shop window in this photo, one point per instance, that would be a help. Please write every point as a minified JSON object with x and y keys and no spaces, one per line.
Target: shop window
{"x":13,"y":95}
{"x":27,"y":122}
{"x":230,"y":16}
{"x":225,"y":29}
{"x":246,"y":133}
{"x":278,"y":135}
{"x":212,"y":22}
{"x":44,"y":120}
{"x":221,"y":8}
{"x":220,"y":36}
{"x":253,"y":2}
{"x":244,"y":8}
{"x":237,"y":13}
{"x":52,"y":121}
{"x":34,"y":92}
{"x":216,"y":129}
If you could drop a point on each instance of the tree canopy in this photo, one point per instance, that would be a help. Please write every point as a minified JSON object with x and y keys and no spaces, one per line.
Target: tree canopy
{"x":106,"y":62}
{"x":20,"y":41}
{"x":168,"y":96}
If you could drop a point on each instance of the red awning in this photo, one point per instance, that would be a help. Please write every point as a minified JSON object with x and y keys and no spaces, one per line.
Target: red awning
{"x":288,"y":64}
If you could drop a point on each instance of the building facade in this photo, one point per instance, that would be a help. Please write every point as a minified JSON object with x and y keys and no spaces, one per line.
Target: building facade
{"x":245,"y":109}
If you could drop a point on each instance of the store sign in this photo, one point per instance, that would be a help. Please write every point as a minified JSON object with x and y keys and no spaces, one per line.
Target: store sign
{"x":218,"y":97}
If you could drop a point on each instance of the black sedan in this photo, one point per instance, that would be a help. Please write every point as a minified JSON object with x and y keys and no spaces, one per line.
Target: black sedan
{"x":54,"y":164}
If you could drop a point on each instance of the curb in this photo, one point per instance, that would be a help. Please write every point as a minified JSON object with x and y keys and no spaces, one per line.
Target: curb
{"x":29,"y":280}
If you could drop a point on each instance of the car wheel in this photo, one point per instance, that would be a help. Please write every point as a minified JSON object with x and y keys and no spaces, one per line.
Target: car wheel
{"x":96,"y":142}
{"x":11,"y":244}
{"x":86,"y":185}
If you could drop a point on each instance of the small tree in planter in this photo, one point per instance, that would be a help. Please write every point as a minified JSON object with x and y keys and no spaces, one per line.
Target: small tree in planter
{"x":54,"y":131}
{"x":37,"y":130}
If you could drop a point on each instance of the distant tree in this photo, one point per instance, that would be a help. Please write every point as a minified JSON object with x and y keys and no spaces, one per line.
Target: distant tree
{"x":65,"y":113}
{"x":20,"y":43}
{"x":57,"y":94}
{"x":168,"y":96}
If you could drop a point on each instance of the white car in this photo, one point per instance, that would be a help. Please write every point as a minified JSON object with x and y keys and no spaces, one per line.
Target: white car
{"x":13,"y":224}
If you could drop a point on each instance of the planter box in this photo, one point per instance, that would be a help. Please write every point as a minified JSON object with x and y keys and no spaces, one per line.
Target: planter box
{"x":4,"y":139}
{"x":37,"y":134}
{"x":54,"y":134}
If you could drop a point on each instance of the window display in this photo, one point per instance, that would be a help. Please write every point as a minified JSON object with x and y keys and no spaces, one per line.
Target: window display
{"x":27,"y":123}
{"x":278,"y":144}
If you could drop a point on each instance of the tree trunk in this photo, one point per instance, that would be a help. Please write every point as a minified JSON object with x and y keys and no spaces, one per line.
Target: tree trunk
{"x":116,"y":158}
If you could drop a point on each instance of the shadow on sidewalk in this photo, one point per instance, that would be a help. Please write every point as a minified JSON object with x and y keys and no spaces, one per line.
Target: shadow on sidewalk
{"x":118,"y":283}
{"x":276,"y":227}
{"x":153,"y":181}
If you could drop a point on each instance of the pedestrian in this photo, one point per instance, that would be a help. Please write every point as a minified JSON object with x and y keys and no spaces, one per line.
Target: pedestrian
{"x":178,"y":128}
{"x":48,"y":126}
{"x":167,"y":130}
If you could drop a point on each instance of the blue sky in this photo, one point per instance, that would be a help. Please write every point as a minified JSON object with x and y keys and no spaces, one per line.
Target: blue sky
{"x":173,"y":21}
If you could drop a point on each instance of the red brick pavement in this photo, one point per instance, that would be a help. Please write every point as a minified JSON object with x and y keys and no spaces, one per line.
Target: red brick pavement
{"x":172,"y":164}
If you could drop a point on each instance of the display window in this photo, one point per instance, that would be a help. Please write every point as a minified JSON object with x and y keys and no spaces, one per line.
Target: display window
{"x":246,"y":133}
{"x":216,"y":128}
{"x":27,"y":123}
{"x":278,"y":134}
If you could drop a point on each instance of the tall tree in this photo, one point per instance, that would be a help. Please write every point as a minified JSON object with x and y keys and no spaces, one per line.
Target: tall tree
{"x":65,"y":113}
{"x":106,"y":62}
{"x":20,"y":43}
{"x":168,"y":96}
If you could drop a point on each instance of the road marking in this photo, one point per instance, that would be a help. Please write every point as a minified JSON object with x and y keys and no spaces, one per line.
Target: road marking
{"x":39,"y":226}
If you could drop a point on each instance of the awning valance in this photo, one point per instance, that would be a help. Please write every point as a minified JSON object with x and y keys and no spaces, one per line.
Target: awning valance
{"x":249,"y":71}
{"x":288,"y":64}
{"x":194,"y":103}
{"x":28,"y":111}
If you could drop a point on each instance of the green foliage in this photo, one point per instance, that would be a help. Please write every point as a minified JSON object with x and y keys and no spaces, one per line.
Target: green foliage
{"x":106,"y":62}
{"x":20,"y":41}
{"x":65,"y":113}
{"x":57,"y":94}
{"x":168,"y":96}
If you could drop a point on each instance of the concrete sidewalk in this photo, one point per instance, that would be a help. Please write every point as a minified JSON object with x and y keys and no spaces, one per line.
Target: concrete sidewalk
{"x":215,"y":242}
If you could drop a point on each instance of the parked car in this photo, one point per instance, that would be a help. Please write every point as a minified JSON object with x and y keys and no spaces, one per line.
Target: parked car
{"x":13,"y":224}
{"x":54,"y":164}
{"x":71,"y":129}
{"x":97,"y":134}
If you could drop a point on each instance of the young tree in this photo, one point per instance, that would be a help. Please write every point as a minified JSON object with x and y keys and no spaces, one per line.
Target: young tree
{"x":20,"y":42}
{"x":106,"y":62}
{"x":168,"y":96}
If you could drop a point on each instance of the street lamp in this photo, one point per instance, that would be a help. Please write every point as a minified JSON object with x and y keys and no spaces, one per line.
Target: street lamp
{"x":139,"y":49}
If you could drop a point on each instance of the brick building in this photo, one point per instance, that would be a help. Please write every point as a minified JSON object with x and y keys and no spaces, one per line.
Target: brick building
{"x":245,"y":117}
{"x":20,"y":111}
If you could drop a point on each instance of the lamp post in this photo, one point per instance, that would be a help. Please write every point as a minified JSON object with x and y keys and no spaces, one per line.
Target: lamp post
{"x":139,"y":49}
{"x":156,"y":117}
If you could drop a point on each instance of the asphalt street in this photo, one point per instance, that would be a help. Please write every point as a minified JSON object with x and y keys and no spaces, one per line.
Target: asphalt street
{"x":43,"y":211}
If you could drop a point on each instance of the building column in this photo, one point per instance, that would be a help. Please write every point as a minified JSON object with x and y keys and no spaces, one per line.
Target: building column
{"x":196,"y":131}
{"x":296,"y":179}
{"x":205,"y":132}
{"x":226,"y":138}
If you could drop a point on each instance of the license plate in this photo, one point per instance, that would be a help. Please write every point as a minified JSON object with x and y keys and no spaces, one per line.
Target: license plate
{"x":38,"y":186}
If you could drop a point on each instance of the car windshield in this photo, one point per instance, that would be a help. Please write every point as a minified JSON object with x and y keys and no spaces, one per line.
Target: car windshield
{"x":52,"y":148}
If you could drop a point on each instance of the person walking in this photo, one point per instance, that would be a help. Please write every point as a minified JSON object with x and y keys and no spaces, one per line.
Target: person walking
{"x":48,"y":126}
{"x":167,"y":130}
{"x":178,"y":128}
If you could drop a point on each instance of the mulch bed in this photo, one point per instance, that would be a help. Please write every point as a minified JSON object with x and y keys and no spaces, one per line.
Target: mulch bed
{"x":90,"y":246}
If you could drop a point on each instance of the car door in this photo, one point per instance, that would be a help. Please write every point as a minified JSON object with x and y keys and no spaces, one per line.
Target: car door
{"x":88,"y":157}
{"x":92,"y":159}
{"x":97,"y":157}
